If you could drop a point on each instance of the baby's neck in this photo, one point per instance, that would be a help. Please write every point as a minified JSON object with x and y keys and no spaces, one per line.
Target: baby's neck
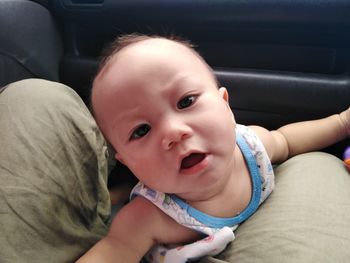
{"x":234,"y":196}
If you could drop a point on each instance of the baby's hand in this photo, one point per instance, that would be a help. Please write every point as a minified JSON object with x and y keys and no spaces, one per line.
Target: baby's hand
{"x":345,"y":118}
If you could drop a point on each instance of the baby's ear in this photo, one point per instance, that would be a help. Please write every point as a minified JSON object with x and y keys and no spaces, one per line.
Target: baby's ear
{"x":223,"y":93}
{"x":118,"y":157}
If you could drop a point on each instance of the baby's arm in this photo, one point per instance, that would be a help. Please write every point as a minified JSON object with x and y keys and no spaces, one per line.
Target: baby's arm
{"x":300,"y":137}
{"x":135,"y":229}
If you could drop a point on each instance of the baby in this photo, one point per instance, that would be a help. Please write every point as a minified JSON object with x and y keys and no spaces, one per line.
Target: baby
{"x":201,"y":174}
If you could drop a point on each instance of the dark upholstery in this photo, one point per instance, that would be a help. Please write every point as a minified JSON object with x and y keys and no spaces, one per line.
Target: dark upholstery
{"x":30,"y":44}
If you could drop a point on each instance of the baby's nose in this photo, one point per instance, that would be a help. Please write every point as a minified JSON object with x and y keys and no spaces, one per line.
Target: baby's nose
{"x":175,"y":133}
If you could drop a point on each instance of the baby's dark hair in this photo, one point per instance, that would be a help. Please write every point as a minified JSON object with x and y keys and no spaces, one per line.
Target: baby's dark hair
{"x":124,"y":41}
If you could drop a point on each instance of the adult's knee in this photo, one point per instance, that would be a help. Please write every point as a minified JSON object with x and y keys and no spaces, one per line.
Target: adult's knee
{"x":25,"y":103}
{"x":41,"y":111}
{"x":32,"y":95}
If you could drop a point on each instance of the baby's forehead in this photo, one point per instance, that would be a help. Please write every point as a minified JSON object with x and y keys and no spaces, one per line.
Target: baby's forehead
{"x":157,"y":57}
{"x":150,"y":56}
{"x":155,"y":48}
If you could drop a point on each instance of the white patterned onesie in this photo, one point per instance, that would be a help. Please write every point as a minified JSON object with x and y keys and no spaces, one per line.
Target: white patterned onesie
{"x":218,"y":231}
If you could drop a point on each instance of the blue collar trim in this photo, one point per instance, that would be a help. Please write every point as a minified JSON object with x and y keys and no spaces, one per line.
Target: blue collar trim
{"x":219,"y":222}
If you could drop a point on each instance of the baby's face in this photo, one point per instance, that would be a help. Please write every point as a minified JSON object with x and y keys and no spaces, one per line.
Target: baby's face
{"x":158,"y":105}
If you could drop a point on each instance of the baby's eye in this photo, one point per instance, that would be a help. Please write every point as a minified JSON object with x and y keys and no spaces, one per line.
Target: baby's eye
{"x":140,"y":131}
{"x":186,"y":102}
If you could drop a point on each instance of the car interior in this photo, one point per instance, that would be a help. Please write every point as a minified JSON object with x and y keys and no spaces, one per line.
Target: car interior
{"x":281,"y":61}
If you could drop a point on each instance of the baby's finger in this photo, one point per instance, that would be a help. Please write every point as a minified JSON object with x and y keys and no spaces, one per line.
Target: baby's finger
{"x":345,"y":118}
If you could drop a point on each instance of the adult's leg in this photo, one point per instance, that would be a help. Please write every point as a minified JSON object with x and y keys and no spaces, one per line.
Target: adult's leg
{"x":306,"y":218}
{"x":54,"y":201}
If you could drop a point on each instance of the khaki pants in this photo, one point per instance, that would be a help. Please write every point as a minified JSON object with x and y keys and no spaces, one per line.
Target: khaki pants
{"x":305,"y":219}
{"x":54,"y":202}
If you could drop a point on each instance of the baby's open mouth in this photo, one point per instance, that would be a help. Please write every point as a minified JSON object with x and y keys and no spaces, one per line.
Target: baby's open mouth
{"x":192,"y":160}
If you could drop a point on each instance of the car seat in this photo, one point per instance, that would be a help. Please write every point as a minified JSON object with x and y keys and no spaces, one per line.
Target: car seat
{"x":30,"y":44}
